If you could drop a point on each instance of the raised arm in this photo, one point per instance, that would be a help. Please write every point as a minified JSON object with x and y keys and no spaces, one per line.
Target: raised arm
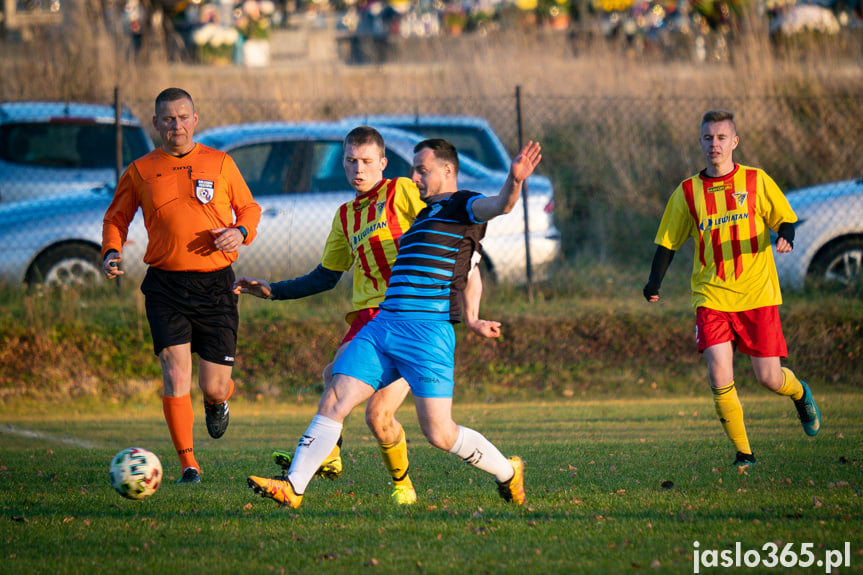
{"x":486,"y":208}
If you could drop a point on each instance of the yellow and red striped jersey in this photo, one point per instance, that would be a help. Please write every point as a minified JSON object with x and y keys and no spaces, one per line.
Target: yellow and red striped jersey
{"x":366,"y":232}
{"x":730,"y":219}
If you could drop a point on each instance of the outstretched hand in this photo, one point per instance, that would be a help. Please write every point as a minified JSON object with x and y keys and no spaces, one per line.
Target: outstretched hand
{"x":255,"y":287}
{"x":526,"y":161}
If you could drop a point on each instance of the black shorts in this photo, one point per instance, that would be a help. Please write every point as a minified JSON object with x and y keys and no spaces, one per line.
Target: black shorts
{"x":193,"y":307}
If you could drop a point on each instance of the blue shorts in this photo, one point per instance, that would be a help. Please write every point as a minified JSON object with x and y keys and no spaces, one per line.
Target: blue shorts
{"x":422,"y":352}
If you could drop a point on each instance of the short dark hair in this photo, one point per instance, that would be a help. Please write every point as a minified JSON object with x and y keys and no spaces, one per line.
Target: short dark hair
{"x":172,"y":95}
{"x":362,"y":135}
{"x":714,"y":116}
{"x":442,"y":149}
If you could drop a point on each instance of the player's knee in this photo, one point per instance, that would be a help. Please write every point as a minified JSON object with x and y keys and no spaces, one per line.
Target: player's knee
{"x":439,"y":438}
{"x":380,"y":422}
{"x":771,"y":382}
{"x":176,"y":382}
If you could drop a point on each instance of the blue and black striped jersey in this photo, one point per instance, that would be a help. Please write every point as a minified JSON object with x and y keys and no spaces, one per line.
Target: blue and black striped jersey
{"x":434,"y":260}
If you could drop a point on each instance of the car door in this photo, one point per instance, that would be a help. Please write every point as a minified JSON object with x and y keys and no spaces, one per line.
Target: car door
{"x":271,"y":169}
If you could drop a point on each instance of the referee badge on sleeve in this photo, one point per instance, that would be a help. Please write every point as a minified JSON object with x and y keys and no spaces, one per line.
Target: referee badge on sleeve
{"x":204,"y":190}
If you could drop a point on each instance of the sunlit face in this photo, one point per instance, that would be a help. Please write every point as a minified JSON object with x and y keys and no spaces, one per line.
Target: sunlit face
{"x":176,"y":122}
{"x":430,"y":174}
{"x":364,"y":166}
{"x":718,"y":141}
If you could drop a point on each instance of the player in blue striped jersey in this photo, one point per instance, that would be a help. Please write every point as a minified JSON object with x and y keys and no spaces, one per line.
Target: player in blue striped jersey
{"x":412,"y":337}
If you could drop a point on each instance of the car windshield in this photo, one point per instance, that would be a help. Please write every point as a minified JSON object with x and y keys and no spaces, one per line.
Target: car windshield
{"x":68,"y":144}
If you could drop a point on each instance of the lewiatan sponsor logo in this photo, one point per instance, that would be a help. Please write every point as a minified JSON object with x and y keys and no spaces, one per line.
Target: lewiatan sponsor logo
{"x":365,"y":232}
{"x":712,"y":223}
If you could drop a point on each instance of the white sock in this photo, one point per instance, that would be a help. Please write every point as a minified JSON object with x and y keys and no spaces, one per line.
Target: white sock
{"x":478,"y":451}
{"x":316,"y":443}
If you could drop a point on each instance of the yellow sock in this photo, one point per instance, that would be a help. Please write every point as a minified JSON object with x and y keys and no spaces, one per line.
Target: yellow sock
{"x":791,"y":386}
{"x":730,"y":414}
{"x":395,"y":456}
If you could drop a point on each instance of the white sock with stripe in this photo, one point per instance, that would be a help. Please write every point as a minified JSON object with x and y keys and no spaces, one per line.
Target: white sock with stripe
{"x":475,"y":449}
{"x":314,"y":446}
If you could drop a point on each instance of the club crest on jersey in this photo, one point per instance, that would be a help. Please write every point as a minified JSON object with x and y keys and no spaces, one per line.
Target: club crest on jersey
{"x":741,"y":198}
{"x":204,"y":190}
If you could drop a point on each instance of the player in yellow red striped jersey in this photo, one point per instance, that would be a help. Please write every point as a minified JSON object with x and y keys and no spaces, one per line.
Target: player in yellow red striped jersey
{"x":729,"y":210}
{"x":365,"y":234}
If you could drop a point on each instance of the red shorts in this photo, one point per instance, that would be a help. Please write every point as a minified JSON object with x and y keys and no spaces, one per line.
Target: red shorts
{"x":361,"y":318}
{"x":756,"y":332}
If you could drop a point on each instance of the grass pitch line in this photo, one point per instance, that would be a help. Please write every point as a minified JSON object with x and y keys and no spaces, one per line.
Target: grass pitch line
{"x":33,"y":434}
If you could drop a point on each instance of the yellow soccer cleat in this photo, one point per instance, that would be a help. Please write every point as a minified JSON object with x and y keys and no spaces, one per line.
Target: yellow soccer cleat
{"x":404,"y":494}
{"x":331,"y":468}
{"x":276,"y":489}
{"x":513,"y":490}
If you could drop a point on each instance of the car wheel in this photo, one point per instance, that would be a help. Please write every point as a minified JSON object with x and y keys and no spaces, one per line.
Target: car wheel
{"x":840,"y":263}
{"x":73,"y":265}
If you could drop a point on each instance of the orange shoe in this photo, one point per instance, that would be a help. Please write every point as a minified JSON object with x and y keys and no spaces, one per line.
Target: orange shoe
{"x":513,"y":490}
{"x":277,"y":489}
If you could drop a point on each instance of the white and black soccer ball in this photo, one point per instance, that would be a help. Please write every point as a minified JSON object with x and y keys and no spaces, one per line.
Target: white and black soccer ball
{"x":136,"y":473}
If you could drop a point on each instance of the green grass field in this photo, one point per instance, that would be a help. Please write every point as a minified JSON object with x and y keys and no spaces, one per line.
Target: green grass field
{"x":613,"y":487}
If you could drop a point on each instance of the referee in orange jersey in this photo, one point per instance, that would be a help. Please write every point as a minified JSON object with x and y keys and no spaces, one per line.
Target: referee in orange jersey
{"x":729,"y":210}
{"x":198,"y":211}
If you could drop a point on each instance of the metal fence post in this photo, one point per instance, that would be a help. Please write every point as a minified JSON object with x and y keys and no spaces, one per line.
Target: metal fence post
{"x":118,"y":135}
{"x":524,"y":197}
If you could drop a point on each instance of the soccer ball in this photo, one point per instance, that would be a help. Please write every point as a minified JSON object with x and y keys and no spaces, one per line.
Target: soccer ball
{"x":136,"y":473}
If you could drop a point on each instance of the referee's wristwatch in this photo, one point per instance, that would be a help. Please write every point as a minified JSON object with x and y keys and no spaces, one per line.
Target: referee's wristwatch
{"x":243,"y":231}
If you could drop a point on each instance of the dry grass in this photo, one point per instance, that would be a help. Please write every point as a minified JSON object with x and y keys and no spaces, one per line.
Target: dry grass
{"x":82,"y":61}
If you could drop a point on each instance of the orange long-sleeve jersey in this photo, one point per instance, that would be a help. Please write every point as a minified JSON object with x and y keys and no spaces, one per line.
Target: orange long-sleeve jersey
{"x":182,"y":199}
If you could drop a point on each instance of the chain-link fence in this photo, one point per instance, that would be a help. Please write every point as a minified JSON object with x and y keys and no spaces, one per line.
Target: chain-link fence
{"x":612,"y":162}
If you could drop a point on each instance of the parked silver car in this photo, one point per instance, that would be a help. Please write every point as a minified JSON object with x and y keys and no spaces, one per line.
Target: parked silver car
{"x":55,"y":147}
{"x":828,"y":244}
{"x":471,"y":135}
{"x":295,"y":173}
